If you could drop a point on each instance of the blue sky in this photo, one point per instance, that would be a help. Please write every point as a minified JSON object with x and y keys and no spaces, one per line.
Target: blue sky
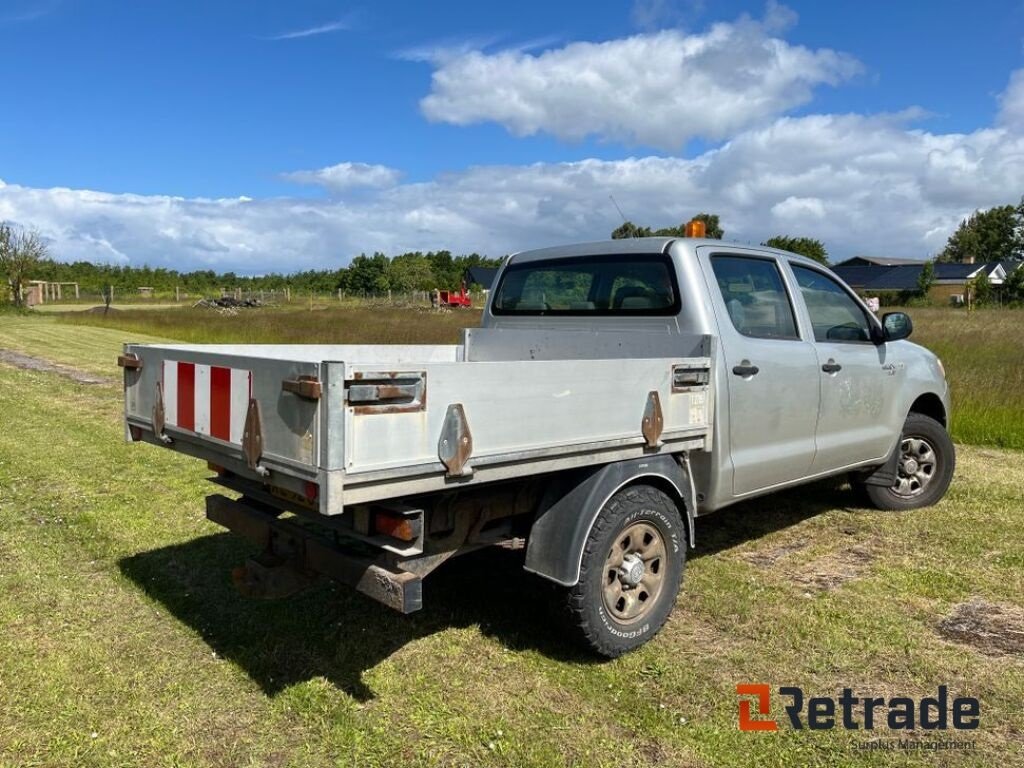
{"x":212,"y":117}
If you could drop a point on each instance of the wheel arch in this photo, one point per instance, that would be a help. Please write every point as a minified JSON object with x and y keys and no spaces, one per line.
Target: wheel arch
{"x":931,"y":405}
{"x":557,"y":538}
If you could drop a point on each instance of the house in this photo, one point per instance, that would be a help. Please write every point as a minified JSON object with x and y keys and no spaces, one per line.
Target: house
{"x":875,"y":261}
{"x":950,"y":279}
{"x":482,"y":276}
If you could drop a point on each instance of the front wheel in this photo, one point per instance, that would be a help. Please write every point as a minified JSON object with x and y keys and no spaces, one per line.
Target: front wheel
{"x":924,"y":468}
{"x":630,"y":572}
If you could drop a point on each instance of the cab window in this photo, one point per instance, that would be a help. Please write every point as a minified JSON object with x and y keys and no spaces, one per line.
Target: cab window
{"x":755,"y":297}
{"x":835,"y":316}
{"x":628,"y":284}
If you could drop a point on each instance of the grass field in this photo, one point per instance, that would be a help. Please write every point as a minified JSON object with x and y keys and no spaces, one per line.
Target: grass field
{"x":364,"y":324}
{"x":123,"y":642}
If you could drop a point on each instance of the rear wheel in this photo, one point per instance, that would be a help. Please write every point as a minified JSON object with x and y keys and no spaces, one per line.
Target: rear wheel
{"x":924,"y":468}
{"x":630,"y":573}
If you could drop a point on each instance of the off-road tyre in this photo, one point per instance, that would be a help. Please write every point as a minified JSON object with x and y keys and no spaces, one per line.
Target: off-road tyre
{"x":600,"y":622}
{"x":927,"y":443}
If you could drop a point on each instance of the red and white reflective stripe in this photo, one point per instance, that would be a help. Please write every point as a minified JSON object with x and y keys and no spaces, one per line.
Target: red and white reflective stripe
{"x":207,"y":399}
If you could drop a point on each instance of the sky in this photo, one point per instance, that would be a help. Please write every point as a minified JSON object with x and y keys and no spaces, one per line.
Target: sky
{"x":272,"y":137}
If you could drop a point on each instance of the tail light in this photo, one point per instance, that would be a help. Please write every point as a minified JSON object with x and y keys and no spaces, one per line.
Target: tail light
{"x":399,"y":527}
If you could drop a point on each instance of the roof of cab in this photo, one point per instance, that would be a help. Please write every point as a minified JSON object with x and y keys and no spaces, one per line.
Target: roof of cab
{"x":642,"y":245}
{"x":599,"y":248}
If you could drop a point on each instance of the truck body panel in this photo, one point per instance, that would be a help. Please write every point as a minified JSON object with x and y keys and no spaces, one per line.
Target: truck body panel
{"x":373,"y":433}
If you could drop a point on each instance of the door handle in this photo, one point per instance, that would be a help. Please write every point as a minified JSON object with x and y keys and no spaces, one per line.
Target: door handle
{"x":831,"y":366}
{"x":745,"y":369}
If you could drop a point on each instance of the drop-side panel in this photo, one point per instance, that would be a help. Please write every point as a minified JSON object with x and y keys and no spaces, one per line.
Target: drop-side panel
{"x":205,"y":397}
{"x":516,"y":407}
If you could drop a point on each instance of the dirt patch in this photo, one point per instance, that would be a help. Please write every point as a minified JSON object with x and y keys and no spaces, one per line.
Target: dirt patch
{"x":834,"y":569}
{"x":29,"y":363}
{"x":987,"y":627}
{"x":99,"y":311}
{"x":766,"y":558}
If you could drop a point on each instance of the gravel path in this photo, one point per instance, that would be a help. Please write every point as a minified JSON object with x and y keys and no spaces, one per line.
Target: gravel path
{"x":29,"y":363}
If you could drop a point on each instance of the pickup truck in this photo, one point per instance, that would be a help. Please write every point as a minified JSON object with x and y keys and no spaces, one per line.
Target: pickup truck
{"x":613,"y":392}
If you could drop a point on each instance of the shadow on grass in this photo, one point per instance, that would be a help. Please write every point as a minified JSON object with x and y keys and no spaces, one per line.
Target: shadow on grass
{"x":334,"y":632}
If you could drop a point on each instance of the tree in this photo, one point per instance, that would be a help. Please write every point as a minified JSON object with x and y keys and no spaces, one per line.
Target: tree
{"x":982,"y":289}
{"x":926,"y":278}
{"x":991,"y":235}
{"x":1013,"y":288}
{"x":711,"y":229}
{"x":805,"y":246}
{"x":629,"y":230}
{"x":411,"y":272}
{"x":21,"y":251}
{"x":368,"y":274}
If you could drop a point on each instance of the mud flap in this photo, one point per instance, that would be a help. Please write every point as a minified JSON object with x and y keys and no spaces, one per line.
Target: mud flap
{"x":558,"y":535}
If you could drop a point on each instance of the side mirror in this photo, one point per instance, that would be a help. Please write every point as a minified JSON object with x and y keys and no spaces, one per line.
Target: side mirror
{"x":896,"y":326}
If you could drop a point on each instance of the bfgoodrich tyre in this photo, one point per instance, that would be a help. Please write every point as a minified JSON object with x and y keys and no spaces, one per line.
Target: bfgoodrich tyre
{"x":924,"y":469}
{"x":632,"y":567}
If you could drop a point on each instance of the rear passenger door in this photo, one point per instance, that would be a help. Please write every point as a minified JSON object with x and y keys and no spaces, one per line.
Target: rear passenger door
{"x":770,"y":371}
{"x":858,"y":420}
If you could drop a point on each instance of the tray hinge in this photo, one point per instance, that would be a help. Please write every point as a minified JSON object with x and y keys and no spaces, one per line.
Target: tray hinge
{"x":252,"y":439}
{"x":456,"y":443}
{"x":653,"y":421}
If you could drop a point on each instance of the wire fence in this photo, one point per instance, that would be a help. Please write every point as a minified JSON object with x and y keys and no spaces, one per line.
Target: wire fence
{"x":240,"y":297}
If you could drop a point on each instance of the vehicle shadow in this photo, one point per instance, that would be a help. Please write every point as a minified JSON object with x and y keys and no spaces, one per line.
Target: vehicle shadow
{"x":334,"y":632}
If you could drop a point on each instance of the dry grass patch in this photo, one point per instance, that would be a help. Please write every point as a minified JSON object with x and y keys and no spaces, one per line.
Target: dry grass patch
{"x":833,"y":570}
{"x":30,"y":363}
{"x":990,"y":628}
{"x":766,"y":557}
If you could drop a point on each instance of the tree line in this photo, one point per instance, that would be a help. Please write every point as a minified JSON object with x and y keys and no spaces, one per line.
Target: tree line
{"x":24,"y":256}
{"x":806,"y":246}
{"x":996,"y":234}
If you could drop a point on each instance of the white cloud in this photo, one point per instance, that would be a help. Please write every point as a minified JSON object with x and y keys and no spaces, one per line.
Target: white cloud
{"x":655,"y":14}
{"x":445,"y":49}
{"x":1011,"y":102}
{"x":346,"y":176}
{"x":320,"y":29}
{"x":862,"y":184}
{"x":658,"y":89}
{"x":799,"y":210}
{"x":18,"y":11}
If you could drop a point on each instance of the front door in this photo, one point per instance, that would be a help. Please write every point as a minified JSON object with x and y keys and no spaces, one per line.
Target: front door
{"x":857,"y":421}
{"x":770,"y":373}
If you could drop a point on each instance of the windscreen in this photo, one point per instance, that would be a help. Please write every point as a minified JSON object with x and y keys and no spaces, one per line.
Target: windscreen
{"x":617,"y":284}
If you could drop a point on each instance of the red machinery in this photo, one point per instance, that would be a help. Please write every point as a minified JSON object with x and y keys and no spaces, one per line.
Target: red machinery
{"x":455,"y":299}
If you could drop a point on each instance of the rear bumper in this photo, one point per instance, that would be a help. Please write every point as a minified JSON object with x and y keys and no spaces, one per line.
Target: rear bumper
{"x":297,"y":550}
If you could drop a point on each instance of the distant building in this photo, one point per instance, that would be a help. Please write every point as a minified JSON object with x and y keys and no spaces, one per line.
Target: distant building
{"x":876,"y":261}
{"x":950,"y":279}
{"x":482,"y":276}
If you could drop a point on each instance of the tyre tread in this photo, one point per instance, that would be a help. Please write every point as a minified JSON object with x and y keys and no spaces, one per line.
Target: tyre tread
{"x":607,"y":519}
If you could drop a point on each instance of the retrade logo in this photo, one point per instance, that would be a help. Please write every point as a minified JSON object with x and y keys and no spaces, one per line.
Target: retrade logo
{"x":816,"y":713}
{"x":747,"y":722}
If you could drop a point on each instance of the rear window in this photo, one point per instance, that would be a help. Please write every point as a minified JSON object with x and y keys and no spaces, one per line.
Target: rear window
{"x":634,"y":284}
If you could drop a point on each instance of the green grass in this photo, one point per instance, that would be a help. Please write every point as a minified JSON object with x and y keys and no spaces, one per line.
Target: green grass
{"x":123,"y":642}
{"x":356,"y":323}
{"x":983,"y":352}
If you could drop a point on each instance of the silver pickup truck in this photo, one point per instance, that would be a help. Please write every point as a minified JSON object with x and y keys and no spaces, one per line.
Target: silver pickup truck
{"x":613,"y":392}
